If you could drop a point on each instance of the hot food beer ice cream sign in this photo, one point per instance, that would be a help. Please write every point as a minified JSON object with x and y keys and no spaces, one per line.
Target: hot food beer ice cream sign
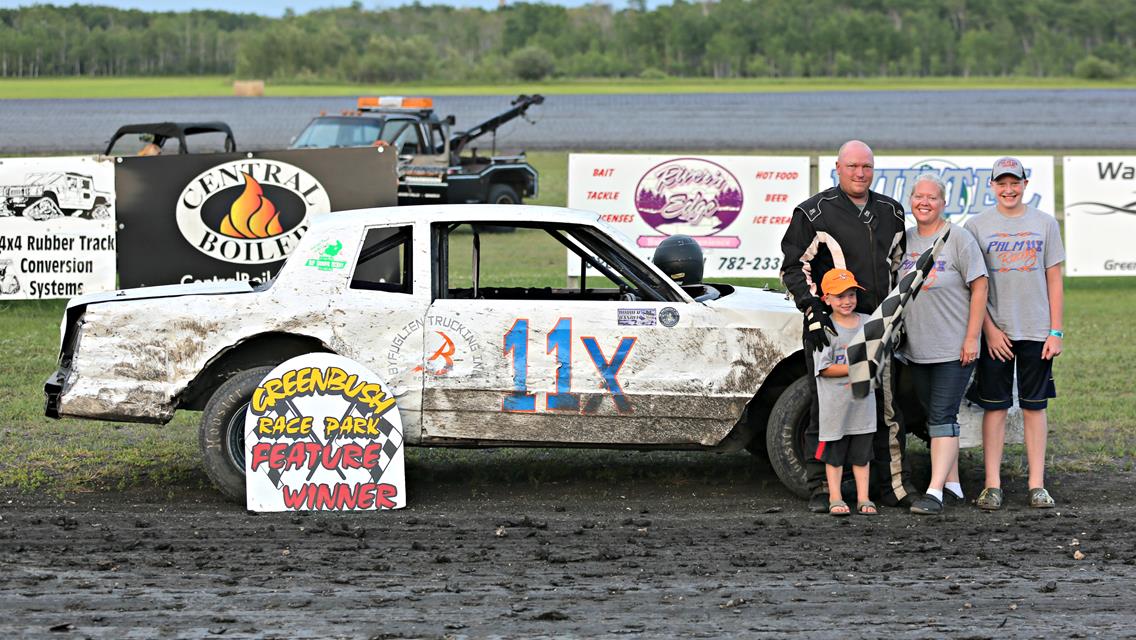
{"x":735,"y":207}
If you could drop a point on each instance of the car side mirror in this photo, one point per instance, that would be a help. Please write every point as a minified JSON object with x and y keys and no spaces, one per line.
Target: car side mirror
{"x":451,"y":120}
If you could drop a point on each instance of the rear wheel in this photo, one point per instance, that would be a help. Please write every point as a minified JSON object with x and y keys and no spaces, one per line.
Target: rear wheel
{"x":785,"y":435}
{"x":503,"y":194}
{"x":221,"y":435}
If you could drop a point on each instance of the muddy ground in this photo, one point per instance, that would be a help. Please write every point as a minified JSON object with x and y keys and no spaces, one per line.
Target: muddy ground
{"x":611,"y":551}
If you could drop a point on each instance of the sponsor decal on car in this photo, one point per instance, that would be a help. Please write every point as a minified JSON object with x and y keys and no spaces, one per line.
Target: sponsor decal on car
{"x":668,"y":316}
{"x":636,"y":317}
{"x":249,"y":211}
{"x":325,"y":257}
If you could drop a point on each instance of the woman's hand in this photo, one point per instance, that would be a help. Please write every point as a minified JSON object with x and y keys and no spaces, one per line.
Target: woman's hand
{"x":1052,"y":348}
{"x":969,"y":351}
{"x":999,"y":345}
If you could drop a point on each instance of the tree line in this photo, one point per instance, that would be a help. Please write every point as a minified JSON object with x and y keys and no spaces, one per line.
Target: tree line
{"x":711,"y":38}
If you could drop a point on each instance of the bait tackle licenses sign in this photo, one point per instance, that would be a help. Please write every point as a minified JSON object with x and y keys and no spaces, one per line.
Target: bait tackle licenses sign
{"x":735,"y":207}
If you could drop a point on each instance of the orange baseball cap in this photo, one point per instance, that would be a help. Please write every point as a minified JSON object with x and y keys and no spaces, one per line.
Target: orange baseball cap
{"x":837,"y":281}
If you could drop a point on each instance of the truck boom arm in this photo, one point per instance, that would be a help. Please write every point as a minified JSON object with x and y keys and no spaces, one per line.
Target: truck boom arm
{"x":520,"y":105}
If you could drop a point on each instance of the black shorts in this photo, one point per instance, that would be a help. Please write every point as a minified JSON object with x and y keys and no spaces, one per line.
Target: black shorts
{"x":994,"y":380}
{"x":853,"y":450}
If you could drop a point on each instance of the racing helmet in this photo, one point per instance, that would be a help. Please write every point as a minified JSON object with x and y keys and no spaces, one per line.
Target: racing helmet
{"x":680,"y":258}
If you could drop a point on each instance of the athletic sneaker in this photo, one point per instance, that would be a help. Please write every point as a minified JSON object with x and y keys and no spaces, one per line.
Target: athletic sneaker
{"x":927,"y":505}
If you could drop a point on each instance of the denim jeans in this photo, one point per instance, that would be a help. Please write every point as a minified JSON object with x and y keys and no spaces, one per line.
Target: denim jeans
{"x":940,"y":387}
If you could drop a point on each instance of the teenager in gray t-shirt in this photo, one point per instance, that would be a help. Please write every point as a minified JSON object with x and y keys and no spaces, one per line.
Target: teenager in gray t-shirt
{"x":1023,"y":330}
{"x":1018,"y":250}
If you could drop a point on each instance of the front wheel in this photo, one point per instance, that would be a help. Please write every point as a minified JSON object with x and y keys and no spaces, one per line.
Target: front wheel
{"x":221,"y":435}
{"x":785,"y":435}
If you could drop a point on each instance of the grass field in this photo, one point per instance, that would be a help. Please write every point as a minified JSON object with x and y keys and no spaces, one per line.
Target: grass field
{"x":1093,"y":422}
{"x":202,"y":86}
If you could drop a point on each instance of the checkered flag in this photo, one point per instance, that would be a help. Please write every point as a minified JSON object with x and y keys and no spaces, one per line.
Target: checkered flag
{"x":390,"y":448}
{"x":876,"y":339}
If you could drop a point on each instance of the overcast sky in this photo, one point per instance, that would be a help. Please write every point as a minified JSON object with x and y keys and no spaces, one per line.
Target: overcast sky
{"x":276,"y":7}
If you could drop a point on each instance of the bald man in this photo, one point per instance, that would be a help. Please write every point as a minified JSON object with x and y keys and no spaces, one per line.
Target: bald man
{"x":849,"y":226}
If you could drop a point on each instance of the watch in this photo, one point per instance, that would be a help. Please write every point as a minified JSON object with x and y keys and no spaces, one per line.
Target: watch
{"x":1057,"y":333}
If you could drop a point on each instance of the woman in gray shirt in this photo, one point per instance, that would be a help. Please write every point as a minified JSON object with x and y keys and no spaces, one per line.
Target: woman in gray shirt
{"x":943,"y":327}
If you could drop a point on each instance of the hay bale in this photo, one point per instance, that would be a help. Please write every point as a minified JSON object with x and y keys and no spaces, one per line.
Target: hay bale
{"x":248,"y":88}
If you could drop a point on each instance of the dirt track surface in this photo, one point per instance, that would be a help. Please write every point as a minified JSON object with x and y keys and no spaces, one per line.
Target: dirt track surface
{"x":621,"y":556}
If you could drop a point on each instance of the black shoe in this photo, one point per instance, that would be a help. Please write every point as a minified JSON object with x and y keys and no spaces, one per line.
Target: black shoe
{"x":818,"y":503}
{"x":927,"y":505}
{"x":950,"y":498}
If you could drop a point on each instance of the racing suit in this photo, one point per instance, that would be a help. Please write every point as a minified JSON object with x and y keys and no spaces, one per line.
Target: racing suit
{"x":830,"y":231}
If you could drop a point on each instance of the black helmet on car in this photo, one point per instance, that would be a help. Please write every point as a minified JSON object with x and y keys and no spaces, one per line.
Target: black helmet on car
{"x":680,"y":258}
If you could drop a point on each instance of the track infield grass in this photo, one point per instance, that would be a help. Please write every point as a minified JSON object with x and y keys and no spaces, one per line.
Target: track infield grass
{"x":1092,"y":422}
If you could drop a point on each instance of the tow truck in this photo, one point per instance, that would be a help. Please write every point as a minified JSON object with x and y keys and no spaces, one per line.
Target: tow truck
{"x":432,"y":166}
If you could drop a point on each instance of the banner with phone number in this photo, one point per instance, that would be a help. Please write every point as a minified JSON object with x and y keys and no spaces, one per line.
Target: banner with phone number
{"x":735,"y":207}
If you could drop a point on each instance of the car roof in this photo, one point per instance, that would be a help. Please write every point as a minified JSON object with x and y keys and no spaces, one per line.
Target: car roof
{"x":455,"y":213}
{"x":172,"y":129}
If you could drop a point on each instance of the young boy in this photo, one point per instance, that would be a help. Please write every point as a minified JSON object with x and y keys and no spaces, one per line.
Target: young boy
{"x":1023,"y":326}
{"x":847,"y":424}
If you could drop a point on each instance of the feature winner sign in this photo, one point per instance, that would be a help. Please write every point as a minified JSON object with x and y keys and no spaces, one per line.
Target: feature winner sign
{"x":323,"y":433}
{"x":1100,"y":215}
{"x":735,"y":207}
{"x":57,"y":228}
{"x":967,"y":179}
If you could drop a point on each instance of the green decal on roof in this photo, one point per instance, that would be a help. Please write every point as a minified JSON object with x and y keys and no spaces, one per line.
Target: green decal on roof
{"x":325,"y":260}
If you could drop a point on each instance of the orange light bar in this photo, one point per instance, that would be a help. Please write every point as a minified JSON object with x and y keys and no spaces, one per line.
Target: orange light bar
{"x":394,"y":102}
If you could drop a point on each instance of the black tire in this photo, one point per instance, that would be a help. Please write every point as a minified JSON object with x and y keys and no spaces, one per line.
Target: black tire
{"x":503,"y":194}
{"x":221,"y":435}
{"x":785,"y":435}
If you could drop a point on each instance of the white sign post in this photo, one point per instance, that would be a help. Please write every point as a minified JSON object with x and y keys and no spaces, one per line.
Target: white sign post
{"x":57,"y":227}
{"x":967,"y":179}
{"x":735,"y":207}
{"x":1100,"y":215}
{"x":323,"y":433}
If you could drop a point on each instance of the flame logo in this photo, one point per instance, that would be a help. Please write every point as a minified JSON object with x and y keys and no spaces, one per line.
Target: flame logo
{"x":252,"y":215}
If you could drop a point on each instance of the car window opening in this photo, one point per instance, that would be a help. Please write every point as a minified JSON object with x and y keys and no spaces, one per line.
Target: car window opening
{"x":490,"y":274}
{"x":385,"y":261}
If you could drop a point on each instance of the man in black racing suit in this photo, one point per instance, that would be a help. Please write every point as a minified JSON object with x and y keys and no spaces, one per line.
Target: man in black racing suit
{"x":849,"y":226}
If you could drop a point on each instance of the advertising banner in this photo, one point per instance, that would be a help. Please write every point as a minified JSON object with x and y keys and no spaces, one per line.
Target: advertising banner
{"x":967,"y":179}
{"x":735,"y":207}
{"x":56,"y":227}
{"x":323,"y":433}
{"x":236,"y":216}
{"x":1100,"y":216}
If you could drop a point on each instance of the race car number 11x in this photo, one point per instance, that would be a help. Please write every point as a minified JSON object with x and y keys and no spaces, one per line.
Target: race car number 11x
{"x":516,"y":342}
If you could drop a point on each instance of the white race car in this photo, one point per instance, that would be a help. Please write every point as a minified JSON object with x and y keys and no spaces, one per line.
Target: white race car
{"x":478,"y":352}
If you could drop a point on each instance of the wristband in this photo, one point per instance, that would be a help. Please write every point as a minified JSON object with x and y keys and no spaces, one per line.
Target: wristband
{"x":1057,"y":333}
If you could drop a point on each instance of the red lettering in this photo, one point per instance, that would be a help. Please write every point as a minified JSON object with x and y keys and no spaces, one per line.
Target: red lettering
{"x":365,"y":495}
{"x":602,"y":173}
{"x":776,"y":197}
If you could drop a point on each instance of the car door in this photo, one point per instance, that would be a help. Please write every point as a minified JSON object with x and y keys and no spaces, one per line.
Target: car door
{"x":534,"y":364}
{"x":378,"y":319}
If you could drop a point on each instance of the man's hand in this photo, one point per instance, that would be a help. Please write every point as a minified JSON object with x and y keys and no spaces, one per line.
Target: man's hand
{"x":817,"y":323}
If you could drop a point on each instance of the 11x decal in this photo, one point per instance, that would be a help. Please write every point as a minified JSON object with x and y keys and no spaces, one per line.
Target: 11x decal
{"x":559,"y":340}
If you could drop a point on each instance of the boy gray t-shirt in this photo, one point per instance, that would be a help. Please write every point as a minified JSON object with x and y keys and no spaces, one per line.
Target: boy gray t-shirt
{"x":935,"y":323}
{"x":840,"y":413}
{"x":1018,"y":250}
